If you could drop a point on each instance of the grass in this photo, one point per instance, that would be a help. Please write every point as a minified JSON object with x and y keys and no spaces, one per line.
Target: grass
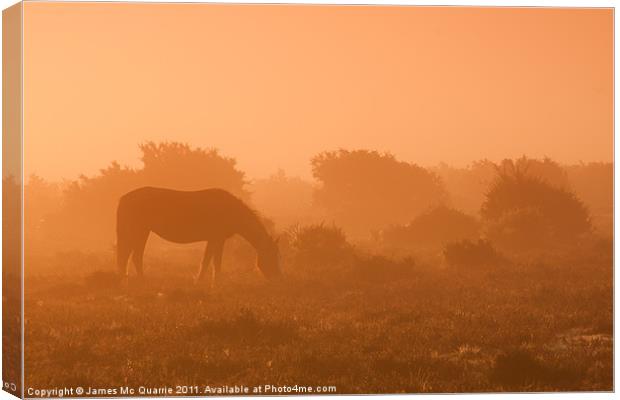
{"x":423,"y":329}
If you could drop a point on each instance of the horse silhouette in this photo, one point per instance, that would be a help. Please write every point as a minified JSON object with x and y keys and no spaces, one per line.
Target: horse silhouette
{"x":211,"y":215}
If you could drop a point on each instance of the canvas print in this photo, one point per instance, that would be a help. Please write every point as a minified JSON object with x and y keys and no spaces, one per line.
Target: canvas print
{"x":289,"y":199}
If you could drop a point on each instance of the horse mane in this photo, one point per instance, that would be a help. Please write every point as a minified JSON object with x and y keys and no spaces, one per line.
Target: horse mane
{"x":253,"y":213}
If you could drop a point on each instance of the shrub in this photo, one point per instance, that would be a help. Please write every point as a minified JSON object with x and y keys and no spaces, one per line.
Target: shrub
{"x":516,"y":367}
{"x":520,"y":230}
{"x":519,"y":367}
{"x":432,"y":229}
{"x":526,"y":213}
{"x":469,"y":254}
{"x":365,"y":190}
{"x":318,"y":245}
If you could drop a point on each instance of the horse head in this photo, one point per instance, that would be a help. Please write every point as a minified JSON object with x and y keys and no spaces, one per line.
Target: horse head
{"x":268,"y":259}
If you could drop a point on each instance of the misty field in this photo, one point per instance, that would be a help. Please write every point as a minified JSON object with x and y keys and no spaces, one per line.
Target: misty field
{"x":396,"y":278}
{"x":376,"y":326}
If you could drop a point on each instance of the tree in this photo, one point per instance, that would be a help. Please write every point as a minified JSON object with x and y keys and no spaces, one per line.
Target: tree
{"x":365,"y":190}
{"x":466,"y":186}
{"x":286,"y":199}
{"x":87,"y":217}
{"x":177,"y":165}
{"x":41,"y":199}
{"x":546,"y":170}
{"x":524,"y":212}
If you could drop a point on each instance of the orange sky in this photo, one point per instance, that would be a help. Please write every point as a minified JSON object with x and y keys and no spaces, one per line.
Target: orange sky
{"x":274,"y":85}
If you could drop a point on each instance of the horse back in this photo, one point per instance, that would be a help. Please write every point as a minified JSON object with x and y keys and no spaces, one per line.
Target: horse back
{"x":181,"y":216}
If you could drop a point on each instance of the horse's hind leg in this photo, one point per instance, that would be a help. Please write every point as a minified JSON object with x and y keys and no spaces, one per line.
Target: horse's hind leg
{"x":138,"y":252}
{"x":218,"y":249}
{"x":204,"y":264}
{"x":123,"y":251}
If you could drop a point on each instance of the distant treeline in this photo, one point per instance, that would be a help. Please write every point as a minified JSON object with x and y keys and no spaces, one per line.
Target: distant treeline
{"x":363,"y":191}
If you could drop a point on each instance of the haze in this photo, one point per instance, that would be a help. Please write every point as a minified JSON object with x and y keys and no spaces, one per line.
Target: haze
{"x":274,"y":85}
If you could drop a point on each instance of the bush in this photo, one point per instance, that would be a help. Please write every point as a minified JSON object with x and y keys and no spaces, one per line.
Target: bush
{"x":364,"y":190}
{"x":432,"y":229}
{"x":526,"y":213}
{"x":318,"y":245}
{"x":516,"y":367}
{"x":469,"y":254}
{"x":520,"y":230}
{"x":519,"y":367}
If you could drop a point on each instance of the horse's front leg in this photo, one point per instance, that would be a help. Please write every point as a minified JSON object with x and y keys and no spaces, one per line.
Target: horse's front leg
{"x":204,"y":264}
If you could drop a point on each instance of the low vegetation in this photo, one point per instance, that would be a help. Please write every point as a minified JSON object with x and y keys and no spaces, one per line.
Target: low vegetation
{"x":373,"y":325}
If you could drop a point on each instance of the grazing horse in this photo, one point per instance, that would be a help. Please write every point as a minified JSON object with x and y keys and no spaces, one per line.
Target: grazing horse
{"x":211,"y":215}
